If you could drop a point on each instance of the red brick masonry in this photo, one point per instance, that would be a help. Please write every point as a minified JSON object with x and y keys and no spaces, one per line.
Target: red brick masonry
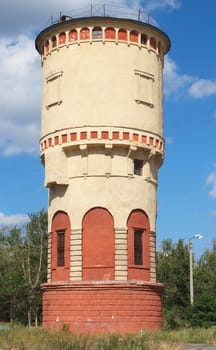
{"x":99,"y":307}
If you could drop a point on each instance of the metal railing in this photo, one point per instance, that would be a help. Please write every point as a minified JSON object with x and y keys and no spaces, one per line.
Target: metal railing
{"x":105,"y":10}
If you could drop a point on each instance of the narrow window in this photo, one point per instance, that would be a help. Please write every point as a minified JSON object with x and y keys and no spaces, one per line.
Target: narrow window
{"x":73,"y":35}
{"x":153,"y":43}
{"x":122,"y":34}
{"x":84,"y":34}
{"x":159,"y":47}
{"x":97,"y":33}
{"x":134,"y":36}
{"x":138,"y":165}
{"x":143,"y":39}
{"x":110,"y":33}
{"x":62,"y":38}
{"x":54,"y":42}
{"x":46,"y":48}
{"x":60,"y":248}
{"x":138,"y":250}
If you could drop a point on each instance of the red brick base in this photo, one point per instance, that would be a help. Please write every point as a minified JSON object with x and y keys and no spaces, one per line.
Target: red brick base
{"x":98,"y":307}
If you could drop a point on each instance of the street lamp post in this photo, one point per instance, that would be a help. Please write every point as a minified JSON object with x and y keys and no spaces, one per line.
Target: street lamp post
{"x":197,"y":236}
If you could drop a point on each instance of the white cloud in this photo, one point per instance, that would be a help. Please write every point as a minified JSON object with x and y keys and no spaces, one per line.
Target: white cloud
{"x":20,"y":89}
{"x":173,"y":80}
{"x":29,"y":16}
{"x":211,"y":181}
{"x":169,"y":140}
{"x":203,"y":88}
{"x":213,"y":213}
{"x":13,"y":220}
{"x":160,"y":4}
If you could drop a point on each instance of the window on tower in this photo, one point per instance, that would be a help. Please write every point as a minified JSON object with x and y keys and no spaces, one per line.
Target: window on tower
{"x":138,"y":247}
{"x":54,"y":42}
{"x":84,"y":34}
{"x":60,"y":248}
{"x":144,"y":87}
{"x":143,"y":39}
{"x":138,"y":167}
{"x":97,"y":33}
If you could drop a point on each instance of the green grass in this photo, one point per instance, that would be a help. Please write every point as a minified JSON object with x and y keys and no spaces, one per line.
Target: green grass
{"x":189,"y":335}
{"x":21,"y":338}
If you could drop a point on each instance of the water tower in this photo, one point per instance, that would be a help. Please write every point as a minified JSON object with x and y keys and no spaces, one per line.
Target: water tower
{"x":102,"y":145}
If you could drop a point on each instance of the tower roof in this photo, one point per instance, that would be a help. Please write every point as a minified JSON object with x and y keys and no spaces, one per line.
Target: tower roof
{"x":106,"y":13}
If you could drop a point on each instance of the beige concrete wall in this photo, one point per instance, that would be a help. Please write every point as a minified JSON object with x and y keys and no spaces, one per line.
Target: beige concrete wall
{"x":111,"y":88}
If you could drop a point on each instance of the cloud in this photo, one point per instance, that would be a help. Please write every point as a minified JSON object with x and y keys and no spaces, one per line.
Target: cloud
{"x":211,"y":181}
{"x":31,"y":16}
{"x":173,"y":80}
{"x":203,"y":88}
{"x":169,"y":140}
{"x":20,"y":89}
{"x":13,"y":220}
{"x":176,"y":84}
{"x":213,"y":213}
{"x":160,"y":4}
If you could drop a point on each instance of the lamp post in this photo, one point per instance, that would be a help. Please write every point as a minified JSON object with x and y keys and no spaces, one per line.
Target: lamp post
{"x":197,"y":236}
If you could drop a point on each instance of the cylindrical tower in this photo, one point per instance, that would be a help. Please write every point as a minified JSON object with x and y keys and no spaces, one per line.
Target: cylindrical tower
{"x":101,"y":145}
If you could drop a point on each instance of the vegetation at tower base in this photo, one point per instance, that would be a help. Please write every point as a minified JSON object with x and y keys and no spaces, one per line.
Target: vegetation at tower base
{"x":23,"y":262}
{"x":173,"y":271}
{"x":23,"y":252}
{"x":23,"y":338}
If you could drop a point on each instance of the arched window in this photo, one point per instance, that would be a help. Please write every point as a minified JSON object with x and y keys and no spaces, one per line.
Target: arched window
{"x":60,"y":247}
{"x":122,"y":34}
{"x":138,"y":245}
{"x":54,"y":42}
{"x":72,"y":35}
{"x":46,"y":47}
{"x":134,"y":36}
{"x":62,"y":38}
{"x":98,"y":245}
{"x":159,"y":47}
{"x":143,"y":39}
{"x":97,"y":33}
{"x":153,"y":43}
{"x":84,"y":34}
{"x":110,"y":33}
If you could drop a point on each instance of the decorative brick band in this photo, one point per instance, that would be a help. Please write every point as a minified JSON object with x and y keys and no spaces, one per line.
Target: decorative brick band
{"x":77,"y":36}
{"x":102,"y":307}
{"x":73,"y":137}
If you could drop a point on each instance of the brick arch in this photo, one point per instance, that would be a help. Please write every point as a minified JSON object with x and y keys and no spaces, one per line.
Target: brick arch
{"x":60,"y":268}
{"x":153,"y":43}
{"x":134,"y":36}
{"x":138,"y":245}
{"x":73,"y":35}
{"x":62,"y":38}
{"x":110,"y":33}
{"x":122,"y":34}
{"x":98,"y":245}
{"x":84,"y":34}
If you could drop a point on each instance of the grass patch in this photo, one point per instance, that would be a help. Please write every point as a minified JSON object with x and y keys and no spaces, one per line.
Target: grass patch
{"x":189,"y":335}
{"x":20,"y":338}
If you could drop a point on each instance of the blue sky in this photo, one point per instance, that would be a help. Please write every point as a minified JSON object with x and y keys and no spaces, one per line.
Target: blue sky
{"x":187,"y":180}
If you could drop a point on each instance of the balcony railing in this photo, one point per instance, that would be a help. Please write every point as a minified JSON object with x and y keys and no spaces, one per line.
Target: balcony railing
{"x":105,"y":10}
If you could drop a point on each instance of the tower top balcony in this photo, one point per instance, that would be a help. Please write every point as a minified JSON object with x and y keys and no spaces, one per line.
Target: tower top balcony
{"x":99,"y":12}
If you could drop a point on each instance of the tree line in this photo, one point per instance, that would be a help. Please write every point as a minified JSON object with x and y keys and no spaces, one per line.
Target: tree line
{"x":23,"y":267}
{"x":173,"y":270}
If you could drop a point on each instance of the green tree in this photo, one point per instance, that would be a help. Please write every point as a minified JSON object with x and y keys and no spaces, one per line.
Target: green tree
{"x":24,"y":252}
{"x":10,"y":275}
{"x":173,"y":271}
{"x":203,"y":312}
